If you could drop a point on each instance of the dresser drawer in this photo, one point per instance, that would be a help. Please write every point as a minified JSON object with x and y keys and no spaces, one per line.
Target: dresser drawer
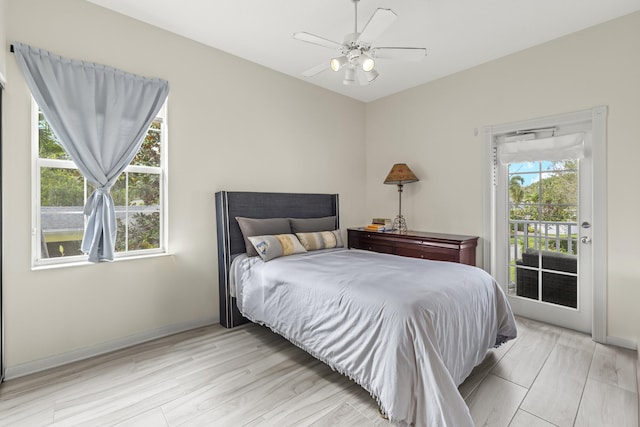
{"x":436,"y":254}
{"x":376,"y":247}
{"x":370,"y":242}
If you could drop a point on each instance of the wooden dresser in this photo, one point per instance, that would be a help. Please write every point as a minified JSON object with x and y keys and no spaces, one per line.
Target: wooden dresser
{"x":416,"y":244}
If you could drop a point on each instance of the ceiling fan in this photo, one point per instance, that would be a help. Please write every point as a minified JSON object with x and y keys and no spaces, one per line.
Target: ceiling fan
{"x":356,"y":51}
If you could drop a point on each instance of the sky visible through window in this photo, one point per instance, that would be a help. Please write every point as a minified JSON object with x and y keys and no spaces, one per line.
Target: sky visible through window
{"x":529,"y":171}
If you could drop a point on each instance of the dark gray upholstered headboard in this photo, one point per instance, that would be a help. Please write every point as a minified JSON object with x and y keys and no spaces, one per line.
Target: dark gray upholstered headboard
{"x":230,"y":204}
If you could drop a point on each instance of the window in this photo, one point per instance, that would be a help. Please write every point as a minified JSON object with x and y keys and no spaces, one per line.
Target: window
{"x":60,"y":192}
{"x":543,"y":230}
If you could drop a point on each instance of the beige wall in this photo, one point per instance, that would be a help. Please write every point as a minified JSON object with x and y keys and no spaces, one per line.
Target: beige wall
{"x":432,"y":128}
{"x":233,"y":125}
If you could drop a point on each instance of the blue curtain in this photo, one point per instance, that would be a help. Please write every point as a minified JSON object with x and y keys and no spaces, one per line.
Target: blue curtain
{"x":101,"y":116}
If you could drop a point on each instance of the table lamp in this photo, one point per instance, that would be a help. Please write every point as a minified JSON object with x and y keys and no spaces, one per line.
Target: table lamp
{"x":400,"y":174}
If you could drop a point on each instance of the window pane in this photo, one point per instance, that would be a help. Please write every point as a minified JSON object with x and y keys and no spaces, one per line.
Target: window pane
{"x":61,"y":187}
{"x":48,"y":145}
{"x":119,"y":195}
{"x":144,"y":230}
{"x":144,"y":189}
{"x":139,"y":219}
{"x":61,"y":217}
{"x":149,"y":154}
{"x":144,"y":211}
{"x":558,"y":190}
{"x":560,"y":289}
{"x":527,"y":282}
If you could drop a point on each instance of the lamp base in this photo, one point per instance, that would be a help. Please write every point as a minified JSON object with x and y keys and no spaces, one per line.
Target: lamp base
{"x":399,"y":224}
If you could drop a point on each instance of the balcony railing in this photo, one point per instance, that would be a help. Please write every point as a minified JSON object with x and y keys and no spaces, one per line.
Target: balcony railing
{"x":552,"y":236}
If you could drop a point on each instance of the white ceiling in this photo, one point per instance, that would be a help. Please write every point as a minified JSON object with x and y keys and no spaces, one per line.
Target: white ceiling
{"x":458,"y":34}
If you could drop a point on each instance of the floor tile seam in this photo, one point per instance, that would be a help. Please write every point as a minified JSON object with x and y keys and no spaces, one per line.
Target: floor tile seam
{"x":584,"y":386}
{"x":613,"y":386}
{"x":538,"y":417}
{"x":488,"y":372}
{"x":524,"y":398}
{"x":537,"y":374}
{"x":507,"y":380}
{"x":493,"y":372}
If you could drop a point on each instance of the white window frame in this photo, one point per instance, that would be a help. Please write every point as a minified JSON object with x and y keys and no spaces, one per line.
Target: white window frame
{"x":36,"y":260}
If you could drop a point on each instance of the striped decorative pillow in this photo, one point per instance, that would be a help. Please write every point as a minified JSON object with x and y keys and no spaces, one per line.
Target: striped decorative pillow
{"x":321,"y":240}
{"x":274,"y":246}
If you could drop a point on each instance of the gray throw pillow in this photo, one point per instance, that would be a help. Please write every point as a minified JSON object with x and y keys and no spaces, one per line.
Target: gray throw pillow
{"x":310,"y":225}
{"x":251,"y":227}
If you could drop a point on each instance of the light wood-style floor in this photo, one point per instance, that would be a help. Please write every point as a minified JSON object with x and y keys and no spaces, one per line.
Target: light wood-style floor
{"x":251,"y":377}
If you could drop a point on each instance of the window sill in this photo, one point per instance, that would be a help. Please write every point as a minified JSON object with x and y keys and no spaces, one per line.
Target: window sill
{"x":84,"y":262}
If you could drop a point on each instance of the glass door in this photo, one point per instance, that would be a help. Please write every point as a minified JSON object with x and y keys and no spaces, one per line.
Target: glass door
{"x":545,"y":218}
{"x":543,"y":205}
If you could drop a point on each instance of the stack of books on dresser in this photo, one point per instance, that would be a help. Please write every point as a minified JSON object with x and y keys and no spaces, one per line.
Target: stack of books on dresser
{"x":380,"y":224}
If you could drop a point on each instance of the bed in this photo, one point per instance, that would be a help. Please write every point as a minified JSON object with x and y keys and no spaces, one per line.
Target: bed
{"x":407,"y":330}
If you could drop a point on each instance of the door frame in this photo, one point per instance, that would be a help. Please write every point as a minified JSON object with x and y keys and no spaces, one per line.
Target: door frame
{"x":598,"y":118}
{"x":2,"y":87}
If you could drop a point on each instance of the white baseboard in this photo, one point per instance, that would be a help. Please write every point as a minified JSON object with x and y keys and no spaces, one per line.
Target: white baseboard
{"x":638,"y":375}
{"x":23,"y":369}
{"x":621,"y":342}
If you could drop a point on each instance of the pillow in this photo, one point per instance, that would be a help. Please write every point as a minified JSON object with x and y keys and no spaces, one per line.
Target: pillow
{"x":261,"y":227}
{"x":308,"y":225}
{"x":320,"y":240}
{"x":270,"y":247}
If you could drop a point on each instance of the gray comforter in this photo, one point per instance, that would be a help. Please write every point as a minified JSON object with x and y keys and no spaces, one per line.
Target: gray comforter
{"x":409,"y":331}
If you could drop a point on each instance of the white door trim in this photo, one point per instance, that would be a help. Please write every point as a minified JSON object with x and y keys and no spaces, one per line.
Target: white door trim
{"x":599,"y":185}
{"x":598,"y":118}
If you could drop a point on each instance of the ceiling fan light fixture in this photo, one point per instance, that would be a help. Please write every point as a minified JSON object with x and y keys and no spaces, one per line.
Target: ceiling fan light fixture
{"x":367,"y":63}
{"x":337,"y":63}
{"x":371,"y":75}
{"x":350,"y":76}
{"x":356,"y":54}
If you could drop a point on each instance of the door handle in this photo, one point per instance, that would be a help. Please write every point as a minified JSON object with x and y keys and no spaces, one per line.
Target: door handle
{"x":585,"y":239}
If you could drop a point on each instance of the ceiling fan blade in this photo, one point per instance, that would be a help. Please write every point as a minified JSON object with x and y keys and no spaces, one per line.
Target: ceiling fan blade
{"x":313,"y":39}
{"x":316,"y":70}
{"x":404,"y":53}
{"x":379,"y":22}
